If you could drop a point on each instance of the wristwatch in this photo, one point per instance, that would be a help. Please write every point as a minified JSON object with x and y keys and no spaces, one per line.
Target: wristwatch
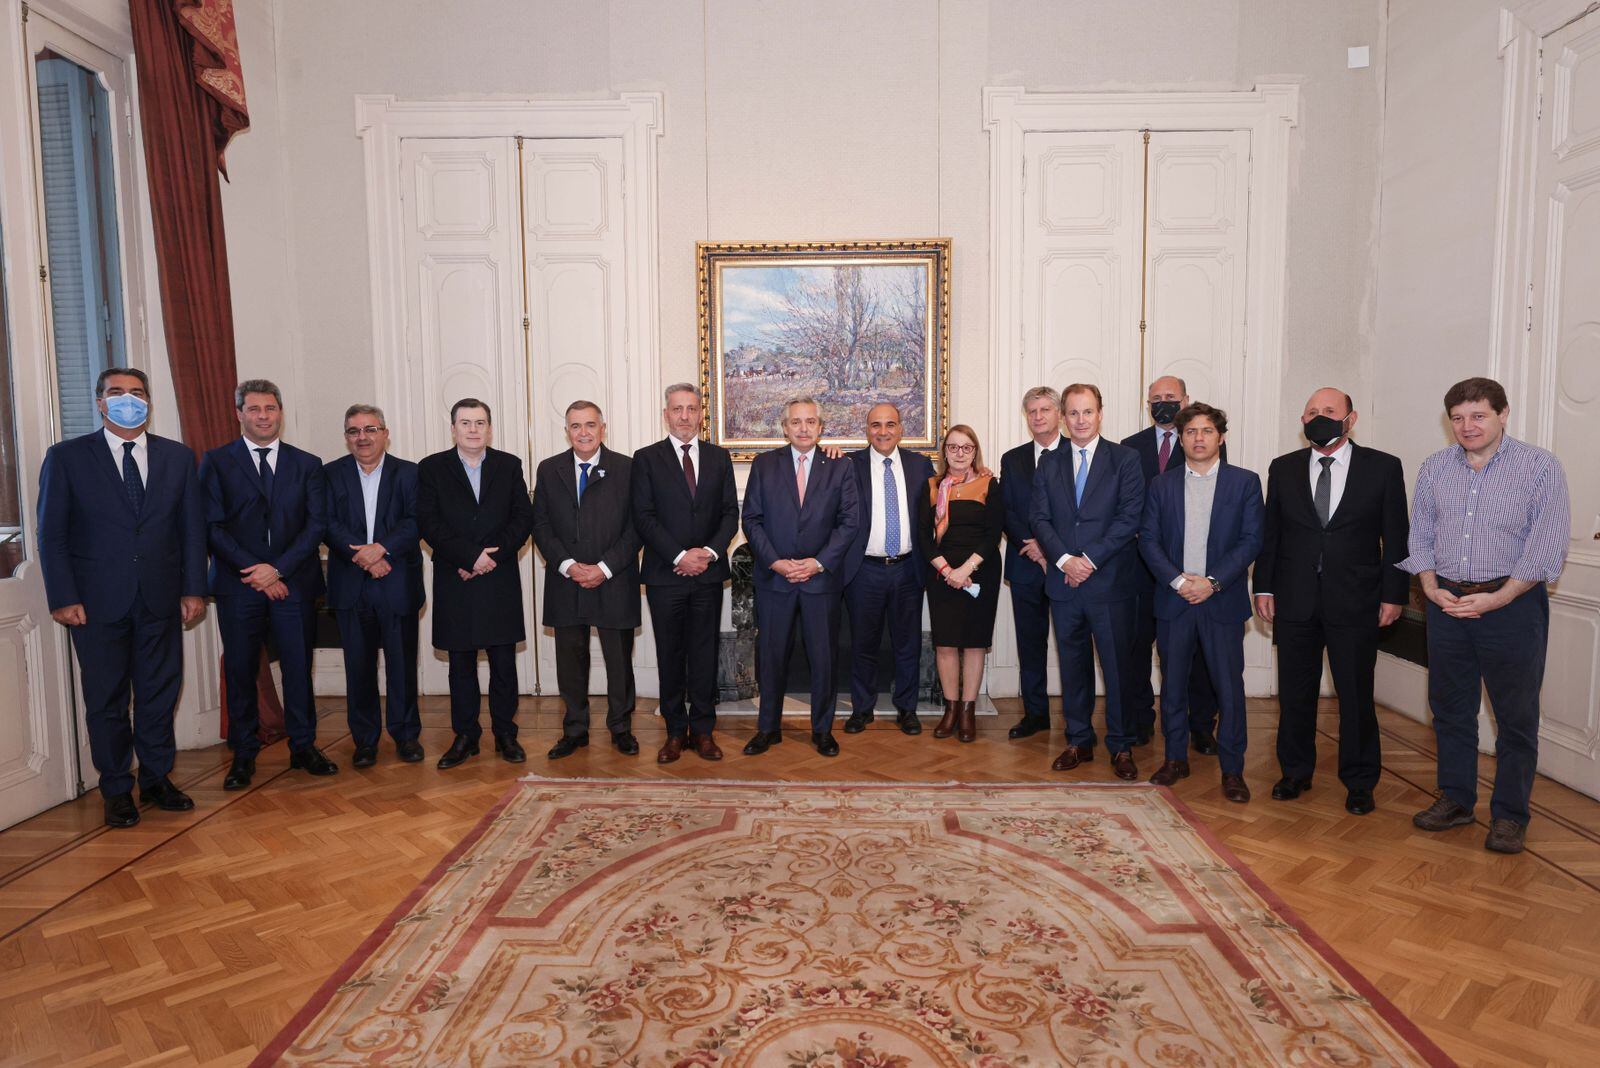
{"x":1216,"y":587}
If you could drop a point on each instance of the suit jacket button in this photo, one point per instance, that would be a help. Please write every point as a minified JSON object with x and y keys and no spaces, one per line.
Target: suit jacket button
{"x":136,"y":559}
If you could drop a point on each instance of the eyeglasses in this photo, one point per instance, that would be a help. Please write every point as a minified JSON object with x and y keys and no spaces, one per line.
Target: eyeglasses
{"x":357,"y":431}
{"x":960,"y":450}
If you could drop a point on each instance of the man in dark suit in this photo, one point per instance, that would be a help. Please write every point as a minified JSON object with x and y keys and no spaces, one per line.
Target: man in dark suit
{"x":583,"y":526}
{"x":800,"y":516}
{"x":1328,"y":578}
{"x":883,"y":570}
{"x":1084,"y":514}
{"x":685,"y":511}
{"x":473,"y":511}
{"x":1026,"y":565}
{"x":1159,"y":449}
{"x":375,"y":583}
{"x":122,"y":546}
{"x":266,"y":515}
{"x":1201,"y":532}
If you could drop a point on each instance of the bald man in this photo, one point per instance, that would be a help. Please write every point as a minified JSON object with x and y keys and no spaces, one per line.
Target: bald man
{"x":1328,"y":578}
{"x":1159,"y":449}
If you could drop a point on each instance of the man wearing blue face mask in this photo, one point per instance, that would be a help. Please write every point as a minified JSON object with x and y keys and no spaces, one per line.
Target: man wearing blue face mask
{"x":122,"y":541}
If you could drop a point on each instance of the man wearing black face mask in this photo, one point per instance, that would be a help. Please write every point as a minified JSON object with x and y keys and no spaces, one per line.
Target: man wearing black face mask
{"x":1335,"y":530}
{"x":1158,"y":448}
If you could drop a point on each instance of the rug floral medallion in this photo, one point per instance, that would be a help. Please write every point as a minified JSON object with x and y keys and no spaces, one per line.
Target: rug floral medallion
{"x":687,"y":924}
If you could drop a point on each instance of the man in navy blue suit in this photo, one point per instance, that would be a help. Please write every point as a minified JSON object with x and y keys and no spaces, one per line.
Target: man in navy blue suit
{"x":375,"y":583}
{"x":1084,"y":513}
{"x":122,"y":545}
{"x":800,"y":517}
{"x":266,"y":514}
{"x":1201,"y":532}
{"x":1026,"y":565}
{"x":883,"y":571}
{"x":1159,"y":449}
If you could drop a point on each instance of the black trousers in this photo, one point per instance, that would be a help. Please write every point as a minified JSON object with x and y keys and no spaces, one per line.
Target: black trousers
{"x":1030,"y":614}
{"x":687,"y":622}
{"x":363,"y":631}
{"x":465,"y":695}
{"x":572,"y":677}
{"x":139,"y":656}
{"x":243,"y":620}
{"x":1353,"y":658}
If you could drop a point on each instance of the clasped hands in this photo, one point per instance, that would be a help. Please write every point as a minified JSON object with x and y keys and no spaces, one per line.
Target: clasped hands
{"x":1077,"y":570}
{"x":1472,"y":606}
{"x":693,"y":562}
{"x":264,"y":578}
{"x":1195,"y":588}
{"x":797,"y":571}
{"x":481,"y":566}
{"x":371,"y":559}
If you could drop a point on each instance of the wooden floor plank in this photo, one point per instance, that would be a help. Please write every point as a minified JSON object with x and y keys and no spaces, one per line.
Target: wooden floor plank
{"x":194,"y":937}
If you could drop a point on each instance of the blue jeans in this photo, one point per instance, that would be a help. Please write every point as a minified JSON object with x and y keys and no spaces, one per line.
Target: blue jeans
{"x":1504,"y":652}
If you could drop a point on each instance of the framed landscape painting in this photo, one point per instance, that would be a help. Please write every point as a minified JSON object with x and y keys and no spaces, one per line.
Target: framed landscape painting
{"x":851,"y":323}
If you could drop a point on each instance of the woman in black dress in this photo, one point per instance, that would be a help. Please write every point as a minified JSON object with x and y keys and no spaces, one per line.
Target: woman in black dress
{"x":960,"y":518}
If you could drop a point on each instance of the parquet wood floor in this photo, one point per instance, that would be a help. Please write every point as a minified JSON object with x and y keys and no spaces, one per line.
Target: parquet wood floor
{"x":192,"y":938}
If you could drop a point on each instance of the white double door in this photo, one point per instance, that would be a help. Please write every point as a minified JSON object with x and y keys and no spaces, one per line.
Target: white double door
{"x":513,"y":255}
{"x":1134,"y":249}
{"x":1557,"y":402}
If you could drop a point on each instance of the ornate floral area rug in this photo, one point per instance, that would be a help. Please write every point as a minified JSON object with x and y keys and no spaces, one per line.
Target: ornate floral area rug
{"x":731,"y":924}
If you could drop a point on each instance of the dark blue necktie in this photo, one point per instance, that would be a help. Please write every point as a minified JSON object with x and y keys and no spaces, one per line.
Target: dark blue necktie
{"x":130,"y":478}
{"x":266,"y":488}
{"x":583,"y":479}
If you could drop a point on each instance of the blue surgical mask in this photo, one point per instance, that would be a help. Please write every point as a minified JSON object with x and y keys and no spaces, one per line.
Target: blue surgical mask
{"x":127,"y":411}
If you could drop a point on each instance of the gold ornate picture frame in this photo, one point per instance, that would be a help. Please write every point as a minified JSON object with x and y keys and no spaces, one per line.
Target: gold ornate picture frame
{"x":851,"y":323}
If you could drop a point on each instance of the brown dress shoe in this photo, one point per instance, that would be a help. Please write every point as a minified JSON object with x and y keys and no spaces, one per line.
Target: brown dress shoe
{"x":1170,"y":772}
{"x":947,"y":722}
{"x":1235,"y":789}
{"x":1122,"y":764}
{"x":671,"y":751}
{"x":705,"y":747}
{"x":967,"y":721}
{"x":1072,"y":756}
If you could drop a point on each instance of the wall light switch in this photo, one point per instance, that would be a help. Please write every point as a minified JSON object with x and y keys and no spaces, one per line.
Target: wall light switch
{"x":1358,"y":57}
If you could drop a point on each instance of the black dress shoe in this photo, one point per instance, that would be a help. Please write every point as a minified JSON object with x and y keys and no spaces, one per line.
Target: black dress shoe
{"x":364,"y":757}
{"x":166,"y":796}
{"x":1027,"y":729}
{"x":826,"y":743}
{"x":761,"y":742}
{"x":461,"y":748}
{"x":121,"y":811}
{"x":312,"y":760}
{"x":1203,"y":742}
{"x":240,"y":772}
{"x":626,"y":743}
{"x":1287,"y":789}
{"x":1359,"y":802}
{"x":409,"y":751}
{"x":511,"y":750}
{"x":566,"y":745}
{"x":858,"y":722}
{"x":908,"y":723}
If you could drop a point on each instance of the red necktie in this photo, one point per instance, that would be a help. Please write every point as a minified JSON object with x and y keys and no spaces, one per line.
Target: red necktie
{"x":688,"y":469}
{"x":1166,"y":452}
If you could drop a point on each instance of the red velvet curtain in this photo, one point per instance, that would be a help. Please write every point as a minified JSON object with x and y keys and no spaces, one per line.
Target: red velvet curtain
{"x":191,"y":103}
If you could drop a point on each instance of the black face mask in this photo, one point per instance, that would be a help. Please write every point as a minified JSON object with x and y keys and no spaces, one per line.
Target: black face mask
{"x":1164,"y":412}
{"x":1324,"y":430}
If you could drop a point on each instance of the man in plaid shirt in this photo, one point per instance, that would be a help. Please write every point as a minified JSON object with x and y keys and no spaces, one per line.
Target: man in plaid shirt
{"x":1489,"y":528}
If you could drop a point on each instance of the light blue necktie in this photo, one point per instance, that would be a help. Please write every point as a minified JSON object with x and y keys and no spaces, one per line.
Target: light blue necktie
{"x":1081,"y":476}
{"x":583,"y":479}
{"x":891,"y":511}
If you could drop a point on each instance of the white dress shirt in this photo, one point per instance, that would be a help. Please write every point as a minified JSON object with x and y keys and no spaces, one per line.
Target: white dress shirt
{"x":370,"y":481}
{"x":1040,"y":450}
{"x":255,"y":457}
{"x":1338,"y":474}
{"x":577,"y":475}
{"x":694,"y":458}
{"x":880,"y":515}
{"x":141,"y":453}
{"x":1087,"y":461}
{"x":1175,"y":452}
